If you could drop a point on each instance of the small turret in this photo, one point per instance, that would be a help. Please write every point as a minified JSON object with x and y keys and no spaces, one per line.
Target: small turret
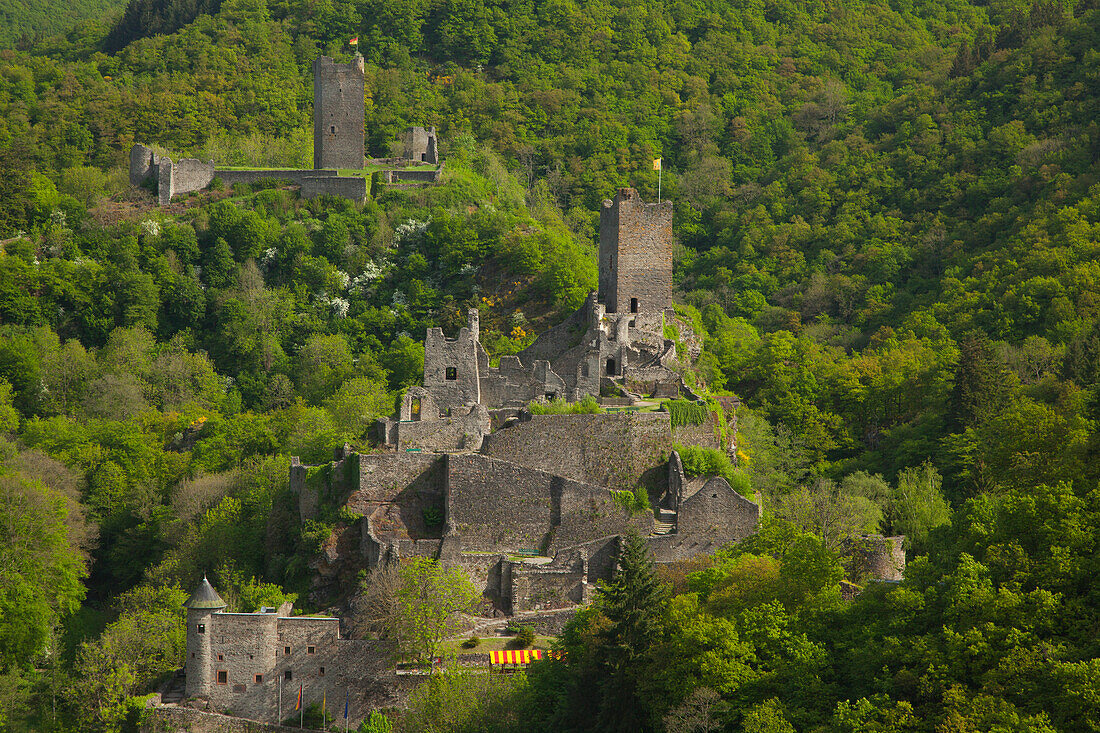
{"x":201,"y":607}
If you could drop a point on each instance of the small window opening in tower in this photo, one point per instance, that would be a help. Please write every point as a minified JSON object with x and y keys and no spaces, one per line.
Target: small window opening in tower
{"x":259,"y":679}
{"x":633,"y":305}
{"x":223,"y":677}
{"x":321,"y":672}
{"x":286,"y":650}
{"x":452,"y":374}
{"x":310,"y":650}
{"x":288,"y":675}
{"x":423,"y":157}
{"x":202,"y":628}
{"x":611,"y":366}
{"x":332,"y":129}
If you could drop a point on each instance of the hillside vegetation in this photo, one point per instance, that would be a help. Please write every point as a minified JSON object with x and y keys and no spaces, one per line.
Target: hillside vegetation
{"x":890,"y":226}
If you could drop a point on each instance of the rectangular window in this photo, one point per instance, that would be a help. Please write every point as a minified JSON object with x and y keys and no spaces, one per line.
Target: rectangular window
{"x":633,"y":305}
{"x":310,"y":650}
{"x":223,"y":676}
{"x":286,"y":650}
{"x":202,"y":628}
{"x":452,"y":373}
{"x":221,"y":658}
{"x":288,"y":675}
{"x":259,"y":679}
{"x":321,"y":672}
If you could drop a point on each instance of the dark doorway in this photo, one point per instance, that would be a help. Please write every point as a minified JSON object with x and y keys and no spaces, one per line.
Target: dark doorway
{"x":611,"y":366}
{"x":423,"y":157}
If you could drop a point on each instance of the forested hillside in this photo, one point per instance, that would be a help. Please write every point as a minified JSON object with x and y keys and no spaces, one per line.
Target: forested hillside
{"x":890,"y":225}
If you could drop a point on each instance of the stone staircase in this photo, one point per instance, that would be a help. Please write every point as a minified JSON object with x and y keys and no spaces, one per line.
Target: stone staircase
{"x":665,"y":523}
{"x":174,"y":690}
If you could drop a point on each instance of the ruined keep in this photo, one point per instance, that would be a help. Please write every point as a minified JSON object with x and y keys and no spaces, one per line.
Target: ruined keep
{"x":597,"y":349}
{"x":420,"y":145}
{"x":338,"y":114}
{"x":635,"y":254}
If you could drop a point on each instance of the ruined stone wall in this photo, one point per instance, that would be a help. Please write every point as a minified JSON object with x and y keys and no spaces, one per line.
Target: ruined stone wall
{"x":619,"y":450}
{"x":188,"y":720}
{"x":878,"y":557}
{"x":458,"y":432}
{"x":191,"y":175}
{"x":635,"y":253}
{"x":231,"y":178}
{"x":559,"y":584}
{"x":513,"y":384}
{"x":349,"y":187}
{"x":420,"y":145}
{"x":394,"y":491}
{"x":399,"y":175}
{"x":719,"y":511}
{"x":496,"y":506}
{"x":338,"y":114}
{"x":452,"y":367}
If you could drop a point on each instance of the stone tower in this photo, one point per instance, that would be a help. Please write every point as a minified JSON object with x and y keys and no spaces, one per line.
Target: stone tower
{"x":420,"y":145}
{"x":338,"y":114}
{"x":635,"y":254}
{"x":201,"y":607}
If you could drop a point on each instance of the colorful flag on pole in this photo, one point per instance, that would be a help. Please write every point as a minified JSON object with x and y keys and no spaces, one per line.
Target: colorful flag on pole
{"x":346,"y":700}
{"x":299,"y":705}
{"x":354,"y":41}
{"x":656,"y":164}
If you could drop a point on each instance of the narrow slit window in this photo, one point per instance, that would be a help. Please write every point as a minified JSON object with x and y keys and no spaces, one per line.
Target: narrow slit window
{"x":321,"y":672}
{"x":633,"y":305}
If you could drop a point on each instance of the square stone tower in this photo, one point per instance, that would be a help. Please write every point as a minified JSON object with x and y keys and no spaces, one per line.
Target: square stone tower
{"x":338,"y":114}
{"x":635,"y":254}
{"x":420,"y":145}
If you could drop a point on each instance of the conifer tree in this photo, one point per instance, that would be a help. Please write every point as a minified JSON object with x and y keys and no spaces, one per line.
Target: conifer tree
{"x":633,"y":604}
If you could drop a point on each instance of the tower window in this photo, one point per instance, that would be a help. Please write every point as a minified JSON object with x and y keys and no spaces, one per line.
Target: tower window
{"x":611,"y":366}
{"x":452,"y":373}
{"x":221,"y":658}
{"x":223,"y":677}
{"x":633,"y":305}
{"x":202,"y":628}
{"x":332,"y":129}
{"x":259,"y":679}
{"x":288,"y":675}
{"x":286,"y":650}
{"x":321,"y":672}
{"x":310,"y":650}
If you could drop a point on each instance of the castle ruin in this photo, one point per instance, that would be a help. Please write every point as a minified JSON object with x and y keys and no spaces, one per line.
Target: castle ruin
{"x":338,"y":114}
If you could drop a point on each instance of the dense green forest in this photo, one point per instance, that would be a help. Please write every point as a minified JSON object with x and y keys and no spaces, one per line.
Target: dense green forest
{"x":889,"y":217}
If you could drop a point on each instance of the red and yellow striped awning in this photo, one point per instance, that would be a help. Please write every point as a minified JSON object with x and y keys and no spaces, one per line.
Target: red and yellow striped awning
{"x":515,"y":656}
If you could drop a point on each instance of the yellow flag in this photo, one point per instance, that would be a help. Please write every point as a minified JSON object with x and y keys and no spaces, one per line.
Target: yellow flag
{"x":656,"y":164}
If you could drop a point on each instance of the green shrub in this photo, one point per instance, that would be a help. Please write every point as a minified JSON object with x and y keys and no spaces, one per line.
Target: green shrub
{"x":525,"y":637}
{"x":433,"y":516}
{"x":699,"y":461}
{"x":471,"y":643}
{"x":587,"y":406}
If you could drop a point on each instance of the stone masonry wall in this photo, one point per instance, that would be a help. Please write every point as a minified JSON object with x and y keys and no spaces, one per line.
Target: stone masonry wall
{"x":188,"y":720}
{"x":231,"y":178}
{"x":717,"y":510}
{"x":619,"y":450}
{"x":338,"y":114}
{"x":452,"y":366}
{"x":635,"y":253}
{"x":349,"y":187}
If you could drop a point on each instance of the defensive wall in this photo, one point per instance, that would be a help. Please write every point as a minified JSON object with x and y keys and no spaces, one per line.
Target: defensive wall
{"x":620,"y":450}
{"x":194,"y":175}
{"x":188,"y":720}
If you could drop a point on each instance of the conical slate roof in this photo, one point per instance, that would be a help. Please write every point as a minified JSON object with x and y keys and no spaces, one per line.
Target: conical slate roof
{"x":204,"y":597}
